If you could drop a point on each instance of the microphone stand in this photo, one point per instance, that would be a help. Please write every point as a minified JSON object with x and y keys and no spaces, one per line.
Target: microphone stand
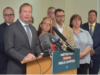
{"x":50,"y":53}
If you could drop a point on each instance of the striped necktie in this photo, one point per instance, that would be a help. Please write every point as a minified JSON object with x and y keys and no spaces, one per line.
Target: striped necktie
{"x":28,"y":34}
{"x":91,"y":30}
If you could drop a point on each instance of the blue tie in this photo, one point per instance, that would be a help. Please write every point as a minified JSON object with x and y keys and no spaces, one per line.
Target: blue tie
{"x":28,"y":34}
{"x":91,"y":30}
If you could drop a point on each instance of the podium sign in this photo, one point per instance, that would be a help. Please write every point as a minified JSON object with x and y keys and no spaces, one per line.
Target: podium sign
{"x":63,"y":61}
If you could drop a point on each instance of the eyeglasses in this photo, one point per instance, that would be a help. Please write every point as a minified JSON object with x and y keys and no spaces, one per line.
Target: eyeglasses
{"x":47,"y":24}
{"x":60,"y":16}
{"x":9,"y":15}
{"x":50,"y":12}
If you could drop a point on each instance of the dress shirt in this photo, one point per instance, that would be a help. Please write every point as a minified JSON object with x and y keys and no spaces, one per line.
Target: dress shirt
{"x":93,"y":26}
{"x":8,"y":24}
{"x":23,"y":24}
{"x":60,"y":28}
{"x":81,"y":41}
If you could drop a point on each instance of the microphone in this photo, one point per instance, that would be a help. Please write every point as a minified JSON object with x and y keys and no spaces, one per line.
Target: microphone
{"x":69,"y":47}
{"x":56,"y":41}
{"x":57,"y":38}
{"x":47,"y":39}
{"x":44,"y":39}
{"x":52,"y":38}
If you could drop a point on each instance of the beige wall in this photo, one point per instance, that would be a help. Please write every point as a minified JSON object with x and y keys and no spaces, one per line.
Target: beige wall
{"x":98,"y":10}
{"x":40,"y":7}
{"x":80,"y":7}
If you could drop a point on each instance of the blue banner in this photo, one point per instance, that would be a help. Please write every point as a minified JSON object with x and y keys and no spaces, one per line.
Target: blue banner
{"x":63,"y":61}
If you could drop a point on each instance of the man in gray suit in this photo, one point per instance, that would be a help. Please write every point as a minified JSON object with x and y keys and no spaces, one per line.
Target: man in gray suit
{"x":20,"y":39}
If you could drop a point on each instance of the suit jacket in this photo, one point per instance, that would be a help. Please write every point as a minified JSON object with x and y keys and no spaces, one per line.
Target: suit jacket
{"x":17,"y":47}
{"x":3,"y":57}
{"x":67,"y":33}
{"x":96,"y":41}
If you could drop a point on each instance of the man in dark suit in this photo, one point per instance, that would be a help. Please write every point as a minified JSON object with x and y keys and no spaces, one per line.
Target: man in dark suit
{"x":20,"y":41}
{"x":8,"y":15}
{"x":94,"y":28}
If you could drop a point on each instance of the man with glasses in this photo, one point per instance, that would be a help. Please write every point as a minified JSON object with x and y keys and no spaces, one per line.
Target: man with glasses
{"x":65,"y":30}
{"x":8,"y":15}
{"x":51,"y":14}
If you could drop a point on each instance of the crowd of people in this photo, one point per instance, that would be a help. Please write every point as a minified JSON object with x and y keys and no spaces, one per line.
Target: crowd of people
{"x":19,"y":41}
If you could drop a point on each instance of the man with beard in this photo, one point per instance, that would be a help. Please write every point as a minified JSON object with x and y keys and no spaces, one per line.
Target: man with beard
{"x":65,"y":30}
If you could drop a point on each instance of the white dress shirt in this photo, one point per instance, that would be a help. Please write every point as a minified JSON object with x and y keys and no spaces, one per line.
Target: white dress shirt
{"x":60,"y":28}
{"x":23,"y":24}
{"x":8,"y":24}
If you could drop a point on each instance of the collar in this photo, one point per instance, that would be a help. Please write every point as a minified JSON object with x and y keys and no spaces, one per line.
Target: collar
{"x":81,"y":30}
{"x":92,"y":24}
{"x":8,"y":24}
{"x":23,"y":24}
{"x":59,"y":26}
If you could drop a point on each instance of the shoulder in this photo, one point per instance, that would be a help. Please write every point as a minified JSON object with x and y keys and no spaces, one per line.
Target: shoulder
{"x":11,"y":27}
{"x":32,"y":27}
{"x":85,"y":24}
{"x":3,"y":24}
{"x":85,"y":31}
{"x":14,"y":24}
{"x":68,"y":28}
{"x":87,"y":34}
{"x":97,"y":23}
{"x":54,"y":25}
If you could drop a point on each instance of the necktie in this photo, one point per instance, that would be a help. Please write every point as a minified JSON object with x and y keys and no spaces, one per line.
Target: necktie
{"x":91,"y":30}
{"x":28,"y":34}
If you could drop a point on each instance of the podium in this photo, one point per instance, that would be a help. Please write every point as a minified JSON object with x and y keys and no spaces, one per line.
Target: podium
{"x":43,"y":65}
{"x":62,"y":63}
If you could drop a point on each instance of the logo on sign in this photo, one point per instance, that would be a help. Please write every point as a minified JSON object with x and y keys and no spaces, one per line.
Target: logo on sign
{"x":67,"y":58}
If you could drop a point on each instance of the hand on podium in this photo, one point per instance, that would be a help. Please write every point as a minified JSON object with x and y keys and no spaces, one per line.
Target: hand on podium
{"x":29,"y":57}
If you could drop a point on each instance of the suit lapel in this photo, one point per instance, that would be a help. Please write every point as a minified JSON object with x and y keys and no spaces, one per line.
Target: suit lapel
{"x":22,"y":30}
{"x":87,"y":27}
{"x":55,"y":25}
{"x":95,"y":29}
{"x":56,"y":28}
{"x":5,"y":24}
{"x":64,"y":30}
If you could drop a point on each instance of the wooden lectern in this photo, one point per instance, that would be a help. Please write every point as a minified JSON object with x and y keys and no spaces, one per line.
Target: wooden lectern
{"x":33,"y":66}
